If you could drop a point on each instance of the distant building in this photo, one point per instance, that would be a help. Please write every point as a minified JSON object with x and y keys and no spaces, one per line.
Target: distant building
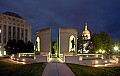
{"x":86,"y":39}
{"x":86,"y":33}
{"x":13,"y":26}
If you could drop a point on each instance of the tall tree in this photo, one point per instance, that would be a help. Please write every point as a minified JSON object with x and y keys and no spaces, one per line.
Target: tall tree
{"x":21,"y":46}
{"x":11,"y":47}
{"x":79,"y":42}
{"x":107,"y":41}
{"x":29,"y":47}
{"x":96,"y":42}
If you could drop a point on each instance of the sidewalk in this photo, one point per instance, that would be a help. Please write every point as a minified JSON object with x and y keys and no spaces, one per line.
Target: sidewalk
{"x":57,"y":69}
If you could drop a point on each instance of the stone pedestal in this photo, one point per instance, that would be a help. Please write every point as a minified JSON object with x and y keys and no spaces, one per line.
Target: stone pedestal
{"x":39,"y":58}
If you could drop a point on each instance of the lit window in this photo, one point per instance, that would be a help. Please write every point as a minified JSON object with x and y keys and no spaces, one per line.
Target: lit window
{"x":4,"y":52}
{"x":0,"y":30}
{"x":0,"y":53}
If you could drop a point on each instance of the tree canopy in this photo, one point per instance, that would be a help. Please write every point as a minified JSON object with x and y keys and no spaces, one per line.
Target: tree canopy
{"x":101,"y":41}
{"x":19,"y":46}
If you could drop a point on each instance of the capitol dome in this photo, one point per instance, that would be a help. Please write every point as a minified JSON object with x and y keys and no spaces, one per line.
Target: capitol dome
{"x":86,"y":33}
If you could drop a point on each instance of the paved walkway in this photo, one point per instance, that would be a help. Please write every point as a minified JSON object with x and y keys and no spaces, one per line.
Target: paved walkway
{"x":57,"y":69}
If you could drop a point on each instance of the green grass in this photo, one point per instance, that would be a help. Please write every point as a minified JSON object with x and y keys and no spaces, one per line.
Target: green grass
{"x":80,"y":70}
{"x":10,"y":69}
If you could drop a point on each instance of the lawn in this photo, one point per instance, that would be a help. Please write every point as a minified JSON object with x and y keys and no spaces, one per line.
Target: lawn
{"x":11,"y":69}
{"x":80,"y":70}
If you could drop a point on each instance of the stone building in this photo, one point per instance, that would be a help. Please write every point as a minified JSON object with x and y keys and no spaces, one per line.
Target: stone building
{"x":13,"y":26}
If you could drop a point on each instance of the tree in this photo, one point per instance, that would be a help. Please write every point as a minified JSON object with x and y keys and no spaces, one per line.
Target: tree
{"x":11,"y":47}
{"x":79,"y":42}
{"x":14,"y":47}
{"x":29,"y":47}
{"x":96,"y":43}
{"x":21,"y":46}
{"x":106,"y":41}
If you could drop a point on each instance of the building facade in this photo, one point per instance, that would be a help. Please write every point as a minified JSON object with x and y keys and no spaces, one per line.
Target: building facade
{"x":86,"y":39}
{"x":13,"y":26}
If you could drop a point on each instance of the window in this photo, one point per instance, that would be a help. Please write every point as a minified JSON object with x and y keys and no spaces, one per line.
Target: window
{"x":13,"y":19}
{"x":4,"y":17}
{"x":26,"y":32}
{"x":9,"y":18}
{"x":22,"y":33}
{"x":4,"y":34}
{"x":4,"y":52}
{"x":9,"y":32}
{"x":14,"y":33}
{"x":18,"y":33}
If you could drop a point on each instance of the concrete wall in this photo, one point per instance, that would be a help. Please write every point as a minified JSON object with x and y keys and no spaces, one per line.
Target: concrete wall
{"x":65,"y":34}
{"x":39,"y":58}
{"x":44,"y":36}
{"x":72,"y":59}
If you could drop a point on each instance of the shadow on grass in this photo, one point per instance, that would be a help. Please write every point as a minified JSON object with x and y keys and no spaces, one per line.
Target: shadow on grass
{"x":10,"y":69}
{"x":80,"y":70}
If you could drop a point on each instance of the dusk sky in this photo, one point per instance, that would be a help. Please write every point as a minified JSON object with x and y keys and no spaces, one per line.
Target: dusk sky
{"x":101,"y":15}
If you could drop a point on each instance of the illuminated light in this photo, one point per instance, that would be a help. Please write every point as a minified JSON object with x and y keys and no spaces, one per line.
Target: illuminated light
{"x":52,"y":59}
{"x":23,"y":60}
{"x":99,"y":65}
{"x":14,"y":58}
{"x":115,"y":48}
{"x":38,"y":42}
{"x":17,"y":59}
{"x":105,"y":61}
{"x":100,"y":51}
{"x":0,"y":30}
{"x":0,"y":46}
{"x":96,"y":62}
{"x":4,"y":52}
{"x":24,"y":63}
{"x":0,"y":53}
{"x":117,"y":59}
{"x":95,"y":65}
{"x":103,"y":51}
{"x":19,"y":55}
{"x":87,"y":56}
{"x":30,"y":55}
{"x":96,"y":52}
{"x":13,"y":55}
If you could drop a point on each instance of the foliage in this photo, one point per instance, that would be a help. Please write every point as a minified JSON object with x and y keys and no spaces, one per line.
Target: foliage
{"x":100,"y":41}
{"x":106,"y":41}
{"x":80,"y":70}
{"x":19,"y":46}
{"x":11,"y":47}
{"x":79,"y":42}
{"x":10,"y":69}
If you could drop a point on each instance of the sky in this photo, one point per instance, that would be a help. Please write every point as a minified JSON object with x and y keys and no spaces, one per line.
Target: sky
{"x":100,"y":15}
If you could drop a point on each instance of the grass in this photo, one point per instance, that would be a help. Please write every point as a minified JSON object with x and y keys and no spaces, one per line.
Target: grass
{"x":11,"y":69}
{"x":80,"y":70}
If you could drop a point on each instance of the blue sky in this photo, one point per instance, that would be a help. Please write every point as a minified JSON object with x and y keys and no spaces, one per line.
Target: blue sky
{"x":101,"y":15}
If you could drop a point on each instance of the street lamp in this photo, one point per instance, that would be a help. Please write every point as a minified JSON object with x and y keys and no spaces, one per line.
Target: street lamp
{"x":116,"y":49}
